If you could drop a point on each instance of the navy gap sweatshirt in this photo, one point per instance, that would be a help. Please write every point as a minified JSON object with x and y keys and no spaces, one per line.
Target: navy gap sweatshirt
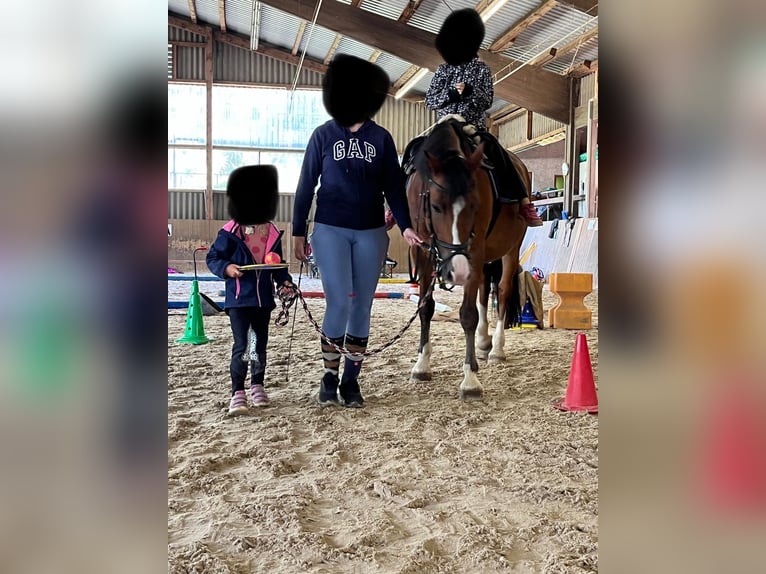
{"x":355,"y":171}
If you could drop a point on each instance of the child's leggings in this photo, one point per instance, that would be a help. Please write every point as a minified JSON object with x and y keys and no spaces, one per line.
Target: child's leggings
{"x":242,"y":318}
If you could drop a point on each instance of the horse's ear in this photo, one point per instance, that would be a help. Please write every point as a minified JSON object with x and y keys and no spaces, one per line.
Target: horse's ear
{"x":473,"y":161}
{"x":434,"y":165}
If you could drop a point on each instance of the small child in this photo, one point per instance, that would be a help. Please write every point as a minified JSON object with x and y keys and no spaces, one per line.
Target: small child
{"x":245,"y":240}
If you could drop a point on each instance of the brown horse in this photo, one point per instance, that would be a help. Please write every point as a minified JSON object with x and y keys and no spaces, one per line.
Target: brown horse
{"x":452,"y":207}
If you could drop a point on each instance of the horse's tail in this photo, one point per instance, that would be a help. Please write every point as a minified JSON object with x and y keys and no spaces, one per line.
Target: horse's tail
{"x":513,"y":304}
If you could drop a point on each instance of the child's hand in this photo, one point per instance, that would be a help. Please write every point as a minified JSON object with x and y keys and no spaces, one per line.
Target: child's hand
{"x":233,"y":271}
{"x":287,"y":289}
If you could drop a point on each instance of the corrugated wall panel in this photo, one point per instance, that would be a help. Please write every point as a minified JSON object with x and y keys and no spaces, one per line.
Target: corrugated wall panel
{"x":190,"y":63}
{"x":285,"y":207}
{"x":514,"y":131}
{"x":542,"y":125}
{"x":587,"y":88}
{"x":186,"y":204}
{"x":219,"y":205}
{"x":179,"y":35}
{"x":233,"y":64}
{"x":405,"y":120}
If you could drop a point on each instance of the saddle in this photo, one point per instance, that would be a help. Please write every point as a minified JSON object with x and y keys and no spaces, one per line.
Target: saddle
{"x":507,"y":185}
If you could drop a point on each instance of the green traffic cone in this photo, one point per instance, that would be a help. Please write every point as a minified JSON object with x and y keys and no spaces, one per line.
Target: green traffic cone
{"x":195,"y":328}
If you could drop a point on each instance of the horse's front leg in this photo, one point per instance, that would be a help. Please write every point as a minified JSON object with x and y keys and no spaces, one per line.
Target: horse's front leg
{"x":422,"y":369}
{"x":470,"y":388}
{"x":483,"y":341}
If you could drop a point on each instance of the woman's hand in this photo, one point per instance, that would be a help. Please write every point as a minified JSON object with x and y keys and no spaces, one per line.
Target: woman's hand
{"x":300,"y":248}
{"x":411,"y":237}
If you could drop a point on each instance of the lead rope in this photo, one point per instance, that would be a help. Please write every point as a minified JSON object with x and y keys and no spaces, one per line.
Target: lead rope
{"x":290,"y":299}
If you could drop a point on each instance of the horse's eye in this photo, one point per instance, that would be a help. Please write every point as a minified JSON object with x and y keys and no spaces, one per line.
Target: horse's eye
{"x":436,"y":208}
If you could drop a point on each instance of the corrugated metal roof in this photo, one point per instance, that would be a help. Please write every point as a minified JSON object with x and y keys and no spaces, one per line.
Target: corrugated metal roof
{"x":317,"y":42}
{"x":551,"y":30}
{"x":390,"y":9}
{"x":277,"y":27}
{"x":586,"y":51}
{"x":353,"y":48}
{"x":179,"y":6}
{"x":280,"y":29}
{"x":393,"y":66}
{"x":207,"y":11}
{"x":506,"y":18}
{"x":431,"y":13}
{"x":239,"y":14}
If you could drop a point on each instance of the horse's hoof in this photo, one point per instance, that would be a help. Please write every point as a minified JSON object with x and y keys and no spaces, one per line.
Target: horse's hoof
{"x":420,"y":376}
{"x":482,"y":353}
{"x":494,"y":359}
{"x":471,"y":394}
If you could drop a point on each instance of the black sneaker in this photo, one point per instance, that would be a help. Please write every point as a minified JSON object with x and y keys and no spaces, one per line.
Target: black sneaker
{"x":351,"y":395}
{"x":328,"y":390}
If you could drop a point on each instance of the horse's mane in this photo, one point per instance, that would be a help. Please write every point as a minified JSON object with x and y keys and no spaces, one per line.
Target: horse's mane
{"x":445,"y":144}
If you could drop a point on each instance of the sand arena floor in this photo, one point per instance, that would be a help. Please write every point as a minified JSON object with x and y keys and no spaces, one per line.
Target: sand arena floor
{"x":416,"y":482}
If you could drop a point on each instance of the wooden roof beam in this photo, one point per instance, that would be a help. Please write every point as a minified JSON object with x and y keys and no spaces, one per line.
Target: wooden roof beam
{"x":374,"y":56}
{"x":543,"y":59}
{"x":192,"y":27}
{"x":355,"y":3}
{"x":333,"y":48}
{"x":192,"y":11}
{"x":222,"y":14}
{"x":587,"y":67}
{"x":299,"y":37}
{"x":533,"y":88}
{"x":409,"y":10}
{"x":405,"y":76}
{"x":509,"y":36}
{"x":574,"y":43}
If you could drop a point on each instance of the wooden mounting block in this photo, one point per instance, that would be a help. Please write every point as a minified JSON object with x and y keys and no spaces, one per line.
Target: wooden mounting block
{"x":570,"y":312}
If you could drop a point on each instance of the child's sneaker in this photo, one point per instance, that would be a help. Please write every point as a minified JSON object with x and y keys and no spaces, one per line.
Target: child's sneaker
{"x":529,"y":213}
{"x":259,"y":396}
{"x":238,"y":404}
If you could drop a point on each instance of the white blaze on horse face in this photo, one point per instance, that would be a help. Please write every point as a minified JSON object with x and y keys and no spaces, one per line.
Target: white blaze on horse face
{"x":460,"y":268}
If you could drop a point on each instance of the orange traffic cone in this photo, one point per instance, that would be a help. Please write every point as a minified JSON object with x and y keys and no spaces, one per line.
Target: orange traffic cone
{"x":581,"y":389}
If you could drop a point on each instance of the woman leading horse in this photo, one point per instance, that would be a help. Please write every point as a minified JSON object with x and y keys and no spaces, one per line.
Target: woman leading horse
{"x":452,"y":207}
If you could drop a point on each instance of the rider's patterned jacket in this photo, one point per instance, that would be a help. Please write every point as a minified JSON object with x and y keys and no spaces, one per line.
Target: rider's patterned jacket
{"x":477,"y":95}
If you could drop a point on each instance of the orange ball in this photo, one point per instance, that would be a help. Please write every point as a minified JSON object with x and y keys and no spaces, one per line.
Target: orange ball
{"x":272,"y":258}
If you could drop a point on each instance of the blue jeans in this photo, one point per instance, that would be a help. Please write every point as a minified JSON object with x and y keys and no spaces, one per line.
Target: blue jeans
{"x":349,"y":262}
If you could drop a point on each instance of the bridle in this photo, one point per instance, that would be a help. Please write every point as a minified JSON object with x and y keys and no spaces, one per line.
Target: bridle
{"x":437,"y":246}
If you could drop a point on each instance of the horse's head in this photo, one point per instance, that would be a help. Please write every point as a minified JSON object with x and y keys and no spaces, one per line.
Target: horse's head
{"x":450,"y":205}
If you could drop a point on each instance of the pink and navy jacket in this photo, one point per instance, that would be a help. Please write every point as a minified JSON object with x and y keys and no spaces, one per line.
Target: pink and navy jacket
{"x":254,"y":288}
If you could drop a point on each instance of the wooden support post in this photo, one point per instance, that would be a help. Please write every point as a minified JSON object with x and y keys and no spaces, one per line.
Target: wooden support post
{"x":591,"y":151}
{"x":570,"y":312}
{"x":209,"y":126}
{"x":570,"y":149}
